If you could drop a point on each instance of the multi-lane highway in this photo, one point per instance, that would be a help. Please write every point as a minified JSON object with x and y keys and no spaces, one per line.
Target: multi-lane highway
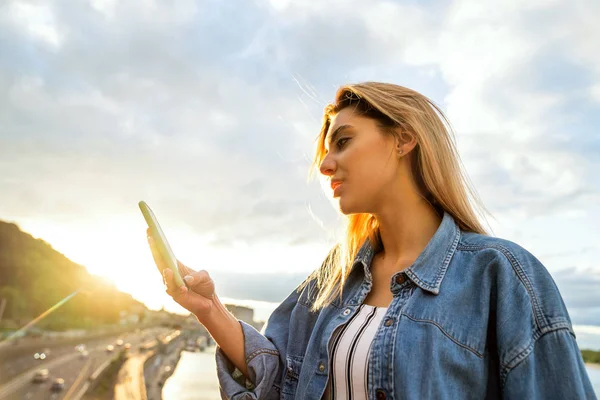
{"x":63,"y":361}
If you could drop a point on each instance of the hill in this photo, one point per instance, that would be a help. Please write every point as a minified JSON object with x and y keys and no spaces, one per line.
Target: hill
{"x":34,"y":277}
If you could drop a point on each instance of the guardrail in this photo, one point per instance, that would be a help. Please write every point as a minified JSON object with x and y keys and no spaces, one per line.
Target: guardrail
{"x":96,"y":377}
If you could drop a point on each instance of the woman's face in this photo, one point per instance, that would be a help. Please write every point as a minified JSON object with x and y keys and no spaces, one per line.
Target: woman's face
{"x":361,"y":162}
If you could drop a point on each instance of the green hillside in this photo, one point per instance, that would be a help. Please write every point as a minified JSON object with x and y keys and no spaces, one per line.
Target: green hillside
{"x":34,"y":277}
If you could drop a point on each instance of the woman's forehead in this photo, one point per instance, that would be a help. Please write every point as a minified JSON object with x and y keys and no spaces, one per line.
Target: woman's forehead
{"x":346,"y":116}
{"x":340,"y":118}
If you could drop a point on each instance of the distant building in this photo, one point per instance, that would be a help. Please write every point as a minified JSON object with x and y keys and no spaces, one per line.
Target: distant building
{"x":245,"y":314}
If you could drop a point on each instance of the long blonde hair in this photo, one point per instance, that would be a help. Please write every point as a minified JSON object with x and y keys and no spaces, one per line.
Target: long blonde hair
{"x":435,"y":165}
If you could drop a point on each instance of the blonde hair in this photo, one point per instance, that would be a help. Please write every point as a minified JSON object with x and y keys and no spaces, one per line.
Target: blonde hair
{"x":435,"y":165}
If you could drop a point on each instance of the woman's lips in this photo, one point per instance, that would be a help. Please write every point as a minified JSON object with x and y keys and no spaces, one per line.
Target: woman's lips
{"x":336,"y":186}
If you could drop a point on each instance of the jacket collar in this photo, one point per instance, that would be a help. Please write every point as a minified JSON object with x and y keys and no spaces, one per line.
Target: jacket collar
{"x":430,"y":267}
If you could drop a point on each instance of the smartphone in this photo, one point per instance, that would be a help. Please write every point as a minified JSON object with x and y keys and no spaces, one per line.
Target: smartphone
{"x":162,"y":245}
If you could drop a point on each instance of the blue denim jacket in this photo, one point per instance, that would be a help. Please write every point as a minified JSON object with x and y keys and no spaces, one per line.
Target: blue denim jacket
{"x":474,"y":317}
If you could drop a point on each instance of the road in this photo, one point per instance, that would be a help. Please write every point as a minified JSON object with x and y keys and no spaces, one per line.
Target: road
{"x":62,"y":361}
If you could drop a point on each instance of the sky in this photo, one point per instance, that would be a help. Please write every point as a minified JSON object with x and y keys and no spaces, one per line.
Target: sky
{"x":209,"y":112}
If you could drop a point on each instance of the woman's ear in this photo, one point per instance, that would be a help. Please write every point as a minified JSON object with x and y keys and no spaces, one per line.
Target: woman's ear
{"x":405,"y":142}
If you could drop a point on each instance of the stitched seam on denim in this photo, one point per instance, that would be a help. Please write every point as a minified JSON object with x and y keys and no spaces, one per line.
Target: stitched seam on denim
{"x":518,"y":359}
{"x":445,"y":334}
{"x":237,"y":394}
{"x":536,"y":335}
{"x":419,"y":282}
{"x":258,"y":352}
{"x":518,"y":268}
{"x":440,"y":275}
{"x":449,"y":254}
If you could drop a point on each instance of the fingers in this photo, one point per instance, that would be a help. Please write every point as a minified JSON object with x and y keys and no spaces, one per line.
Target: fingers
{"x":172,"y":289}
{"x":183,"y":269}
{"x":201,"y":283}
{"x":198,"y":278}
{"x":197,"y":299}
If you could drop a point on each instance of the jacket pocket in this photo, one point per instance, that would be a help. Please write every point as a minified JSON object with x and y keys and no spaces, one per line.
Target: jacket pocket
{"x":293,"y":365}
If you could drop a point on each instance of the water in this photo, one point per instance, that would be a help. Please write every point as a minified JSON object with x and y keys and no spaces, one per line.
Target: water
{"x":594,"y":373}
{"x":195,"y":378}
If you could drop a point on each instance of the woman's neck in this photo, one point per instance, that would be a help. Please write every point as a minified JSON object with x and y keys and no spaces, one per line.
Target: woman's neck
{"x":406,"y":231}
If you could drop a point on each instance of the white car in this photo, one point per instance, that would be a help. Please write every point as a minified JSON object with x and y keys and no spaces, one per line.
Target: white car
{"x":41,"y":375}
{"x":110,"y":348}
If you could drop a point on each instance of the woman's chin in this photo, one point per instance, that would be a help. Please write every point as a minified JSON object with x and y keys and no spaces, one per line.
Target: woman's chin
{"x":346,"y":207}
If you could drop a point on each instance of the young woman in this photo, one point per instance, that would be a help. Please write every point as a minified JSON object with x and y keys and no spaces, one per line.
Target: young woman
{"x":417,"y":302}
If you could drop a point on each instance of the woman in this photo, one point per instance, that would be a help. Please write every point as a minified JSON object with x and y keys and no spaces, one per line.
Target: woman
{"x":417,"y":302}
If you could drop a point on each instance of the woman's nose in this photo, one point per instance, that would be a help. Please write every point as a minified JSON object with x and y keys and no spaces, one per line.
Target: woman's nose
{"x":327,"y":166}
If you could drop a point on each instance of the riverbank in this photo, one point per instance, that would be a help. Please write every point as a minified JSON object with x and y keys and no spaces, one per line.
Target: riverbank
{"x":159,"y":368}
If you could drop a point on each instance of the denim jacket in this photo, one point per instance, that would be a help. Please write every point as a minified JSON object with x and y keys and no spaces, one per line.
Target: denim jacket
{"x":474,"y":317}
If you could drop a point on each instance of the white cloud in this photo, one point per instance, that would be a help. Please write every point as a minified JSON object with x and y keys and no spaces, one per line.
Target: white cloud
{"x":209,"y":110}
{"x":37,"y":20}
{"x":595,"y":93}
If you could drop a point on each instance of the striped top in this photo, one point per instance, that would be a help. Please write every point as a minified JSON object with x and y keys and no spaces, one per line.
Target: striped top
{"x":349,"y":349}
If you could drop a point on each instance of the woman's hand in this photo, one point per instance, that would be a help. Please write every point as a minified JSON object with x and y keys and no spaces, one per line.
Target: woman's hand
{"x":199,"y":294}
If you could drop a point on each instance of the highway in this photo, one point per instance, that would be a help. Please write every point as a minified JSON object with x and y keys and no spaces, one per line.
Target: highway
{"x":63,"y":361}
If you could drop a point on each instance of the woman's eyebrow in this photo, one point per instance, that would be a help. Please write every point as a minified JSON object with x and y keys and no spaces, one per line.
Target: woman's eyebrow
{"x":337,"y":132}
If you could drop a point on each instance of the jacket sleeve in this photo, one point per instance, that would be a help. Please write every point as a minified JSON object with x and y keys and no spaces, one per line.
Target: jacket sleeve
{"x":264,"y":355}
{"x":538,"y":354}
{"x":551,"y":369}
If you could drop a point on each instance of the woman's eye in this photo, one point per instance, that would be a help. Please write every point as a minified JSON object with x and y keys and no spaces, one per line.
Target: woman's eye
{"x":341,"y":142}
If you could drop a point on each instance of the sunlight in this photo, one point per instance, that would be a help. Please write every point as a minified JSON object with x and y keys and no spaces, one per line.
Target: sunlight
{"x":117,"y":250}
{"x":34,"y":321}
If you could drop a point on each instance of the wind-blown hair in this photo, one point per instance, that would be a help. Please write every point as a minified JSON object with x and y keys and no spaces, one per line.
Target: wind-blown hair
{"x":435,"y":165}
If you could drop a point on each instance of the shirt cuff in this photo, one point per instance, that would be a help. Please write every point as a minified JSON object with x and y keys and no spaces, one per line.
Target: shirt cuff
{"x":262,"y":359}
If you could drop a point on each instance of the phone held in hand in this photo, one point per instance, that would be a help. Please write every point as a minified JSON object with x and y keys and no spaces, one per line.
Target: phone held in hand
{"x":161,"y":243}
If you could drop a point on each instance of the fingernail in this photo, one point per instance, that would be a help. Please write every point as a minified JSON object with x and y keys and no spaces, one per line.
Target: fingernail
{"x":188,"y":278}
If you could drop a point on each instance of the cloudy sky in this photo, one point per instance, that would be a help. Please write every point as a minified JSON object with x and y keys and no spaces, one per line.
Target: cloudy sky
{"x":208,"y":111}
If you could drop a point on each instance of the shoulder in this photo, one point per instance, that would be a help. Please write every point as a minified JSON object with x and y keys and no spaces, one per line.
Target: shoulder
{"x":506,"y":256}
{"x":525,"y":303}
{"x":502,"y":249}
{"x":520,"y":280}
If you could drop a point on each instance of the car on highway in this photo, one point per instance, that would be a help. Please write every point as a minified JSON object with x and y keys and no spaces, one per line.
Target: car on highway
{"x":58,"y":385}
{"x":119,"y":342}
{"x":39,"y":356}
{"x":41,"y":375}
{"x":110,"y":348}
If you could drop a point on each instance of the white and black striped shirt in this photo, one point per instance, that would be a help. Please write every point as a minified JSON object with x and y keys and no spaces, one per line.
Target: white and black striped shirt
{"x":349,"y":350}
